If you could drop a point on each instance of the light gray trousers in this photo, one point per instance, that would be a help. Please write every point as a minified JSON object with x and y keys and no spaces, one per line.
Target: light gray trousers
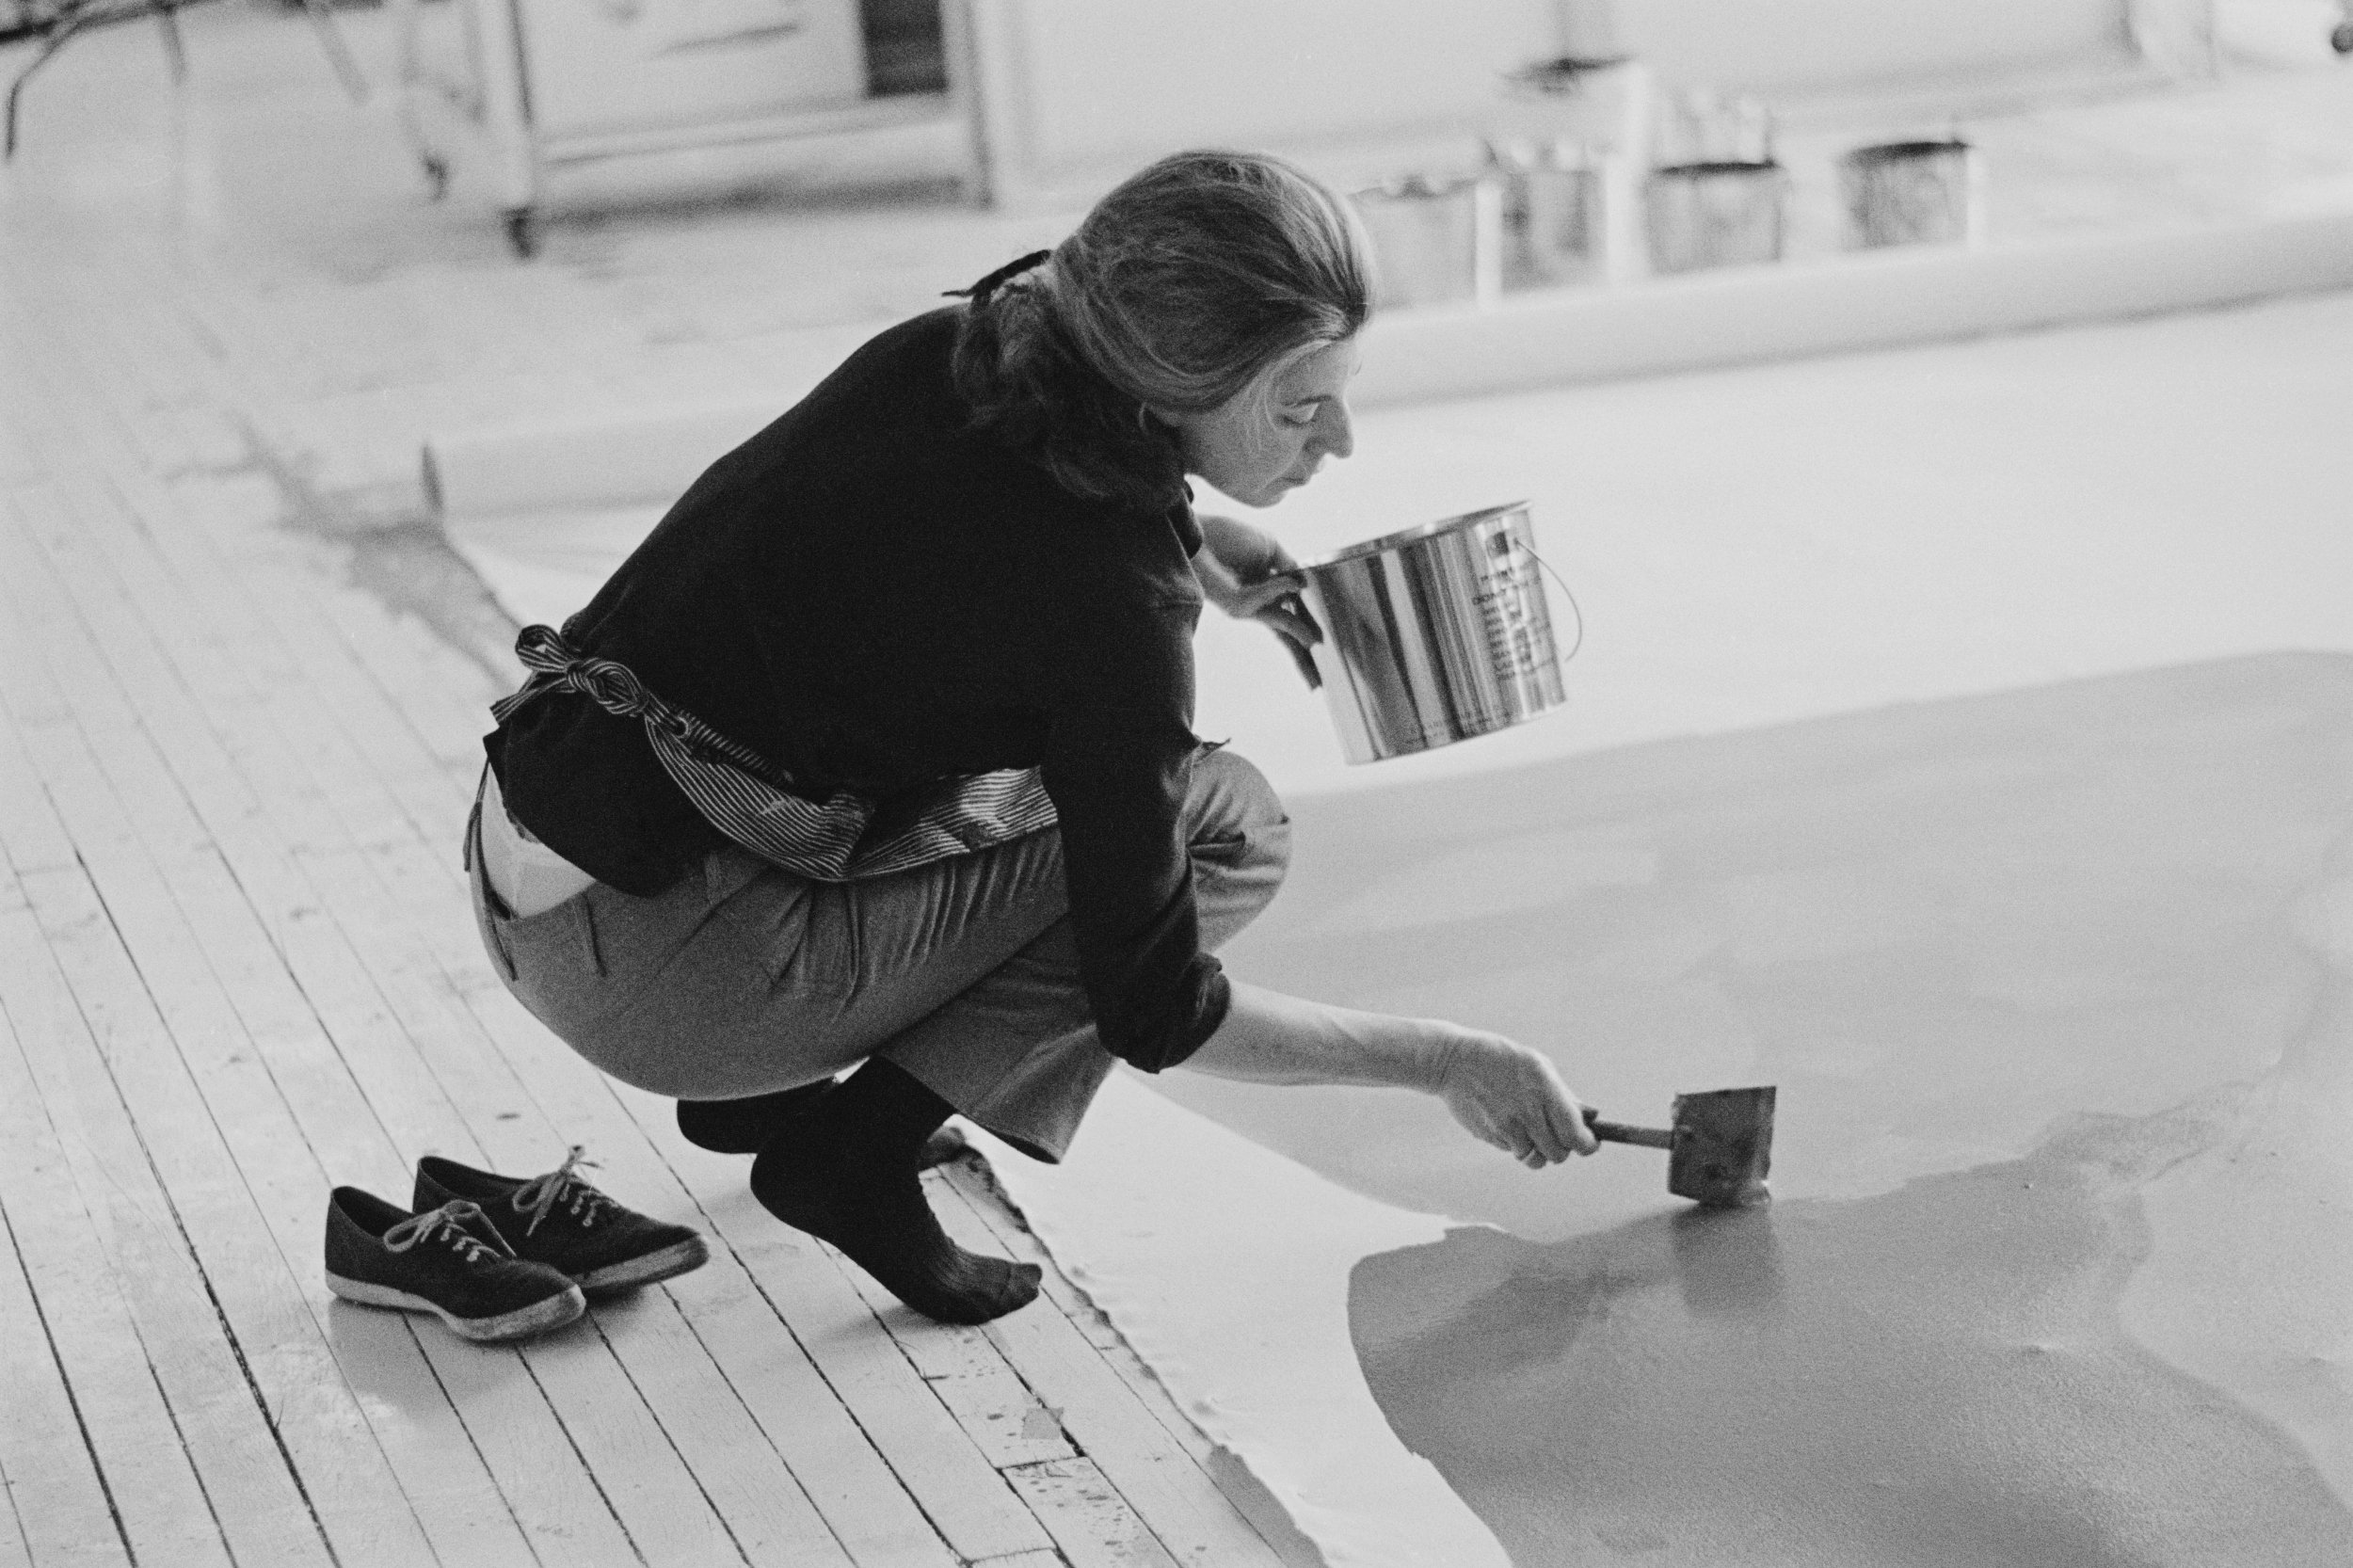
{"x":748,"y":978}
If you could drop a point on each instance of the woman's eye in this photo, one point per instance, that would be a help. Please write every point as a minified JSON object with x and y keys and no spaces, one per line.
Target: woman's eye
{"x":1299,"y":420}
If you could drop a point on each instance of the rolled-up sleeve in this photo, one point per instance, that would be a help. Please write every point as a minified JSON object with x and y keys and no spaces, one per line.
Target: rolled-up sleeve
{"x":1118,"y":765}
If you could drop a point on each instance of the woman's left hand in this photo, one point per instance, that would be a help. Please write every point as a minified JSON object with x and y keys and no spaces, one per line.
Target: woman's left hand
{"x":1245,"y":571}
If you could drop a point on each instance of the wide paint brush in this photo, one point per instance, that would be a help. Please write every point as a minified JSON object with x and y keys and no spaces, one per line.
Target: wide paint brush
{"x":1720,"y":1149}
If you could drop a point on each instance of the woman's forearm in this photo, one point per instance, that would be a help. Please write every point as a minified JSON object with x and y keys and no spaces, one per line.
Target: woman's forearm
{"x":1503,"y":1093}
{"x":1272,"y":1038}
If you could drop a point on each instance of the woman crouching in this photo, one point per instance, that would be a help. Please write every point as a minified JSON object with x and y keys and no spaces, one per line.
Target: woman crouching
{"x":877,"y":755}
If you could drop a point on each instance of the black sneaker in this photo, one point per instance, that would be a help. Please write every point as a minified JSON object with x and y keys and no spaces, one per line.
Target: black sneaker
{"x":559,"y":1220}
{"x":447,"y":1260}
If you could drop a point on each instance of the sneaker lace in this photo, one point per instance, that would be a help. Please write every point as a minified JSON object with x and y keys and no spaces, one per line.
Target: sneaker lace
{"x":446,"y":1222}
{"x":538,"y":1196}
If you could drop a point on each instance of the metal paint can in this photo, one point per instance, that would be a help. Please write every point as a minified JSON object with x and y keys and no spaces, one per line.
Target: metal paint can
{"x":1703,"y":215}
{"x":1433,"y":634}
{"x":1912,"y":193}
{"x":1434,"y":240}
{"x":1551,"y":216}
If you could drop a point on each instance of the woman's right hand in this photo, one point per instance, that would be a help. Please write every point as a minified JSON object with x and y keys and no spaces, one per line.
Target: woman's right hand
{"x":1509,"y":1095}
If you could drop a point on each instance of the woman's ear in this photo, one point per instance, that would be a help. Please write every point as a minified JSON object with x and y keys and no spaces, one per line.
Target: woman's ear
{"x":1183,"y":429}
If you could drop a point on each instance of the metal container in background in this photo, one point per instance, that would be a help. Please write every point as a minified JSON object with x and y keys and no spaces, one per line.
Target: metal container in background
{"x":1717,"y":214}
{"x":1552,"y":215}
{"x":1434,"y":634}
{"x":1604,"y":106}
{"x":1912,"y":193}
{"x":1434,"y":240}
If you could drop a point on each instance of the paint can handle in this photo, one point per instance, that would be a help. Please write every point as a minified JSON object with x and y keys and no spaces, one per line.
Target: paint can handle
{"x":1301,"y":656}
{"x":1577,"y":611}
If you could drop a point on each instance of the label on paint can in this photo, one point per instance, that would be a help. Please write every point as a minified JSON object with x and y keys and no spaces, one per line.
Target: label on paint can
{"x":1519,"y":643}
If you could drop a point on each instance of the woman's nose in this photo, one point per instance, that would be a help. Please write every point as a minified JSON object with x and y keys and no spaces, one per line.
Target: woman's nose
{"x":1336,"y":429}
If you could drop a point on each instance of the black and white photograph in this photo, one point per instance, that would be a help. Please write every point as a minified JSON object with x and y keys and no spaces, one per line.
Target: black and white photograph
{"x":1177,"y":784}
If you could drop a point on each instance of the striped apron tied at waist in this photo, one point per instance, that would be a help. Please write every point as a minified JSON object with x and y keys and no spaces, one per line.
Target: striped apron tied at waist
{"x":751,"y":801}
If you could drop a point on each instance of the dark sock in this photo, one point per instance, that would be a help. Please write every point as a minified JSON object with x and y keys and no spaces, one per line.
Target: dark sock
{"x":744,"y":1126}
{"x":846,"y":1173}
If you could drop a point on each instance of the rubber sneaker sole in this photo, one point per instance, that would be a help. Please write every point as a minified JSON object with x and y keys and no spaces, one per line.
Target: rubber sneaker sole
{"x":539,"y":1318}
{"x":677,"y":1258}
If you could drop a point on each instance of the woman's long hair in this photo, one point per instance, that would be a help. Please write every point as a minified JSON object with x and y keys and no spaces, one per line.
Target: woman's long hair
{"x":1180,"y":288}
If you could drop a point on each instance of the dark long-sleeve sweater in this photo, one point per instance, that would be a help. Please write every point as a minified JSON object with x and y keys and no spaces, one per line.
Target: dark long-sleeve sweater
{"x":874,"y":596}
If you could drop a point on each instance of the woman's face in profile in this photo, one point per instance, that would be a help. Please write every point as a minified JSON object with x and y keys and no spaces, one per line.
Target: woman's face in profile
{"x":1271,"y":437}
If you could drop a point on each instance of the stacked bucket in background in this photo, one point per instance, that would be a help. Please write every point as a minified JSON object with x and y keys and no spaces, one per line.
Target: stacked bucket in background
{"x":1436,"y":239}
{"x":1587,"y":179}
{"x":1716,"y":195}
{"x":1544,"y":206}
{"x":1551,"y":212}
{"x":1913,"y":193}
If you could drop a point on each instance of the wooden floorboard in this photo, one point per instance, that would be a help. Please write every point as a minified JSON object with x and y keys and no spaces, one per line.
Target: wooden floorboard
{"x":958,"y":1492}
{"x":15,"y":1551}
{"x":1109,"y":1422}
{"x":1092,"y":1522}
{"x":55,"y":1493}
{"x":158,"y":1507}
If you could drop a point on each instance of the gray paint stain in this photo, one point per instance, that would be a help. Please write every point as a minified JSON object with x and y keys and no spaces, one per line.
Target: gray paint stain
{"x":1931,"y":1377}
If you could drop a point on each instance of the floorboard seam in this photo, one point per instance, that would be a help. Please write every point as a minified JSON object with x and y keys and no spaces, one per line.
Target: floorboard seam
{"x":751,"y":1278}
{"x":15,"y":1522}
{"x":685,"y":1463}
{"x":595,"y":1483}
{"x":848,"y":1410}
{"x":180,"y":1434}
{"x":458,"y":1412}
{"x":49,"y":1340}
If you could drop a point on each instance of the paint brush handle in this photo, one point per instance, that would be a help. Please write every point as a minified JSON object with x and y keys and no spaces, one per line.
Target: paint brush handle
{"x":1618,"y":1132}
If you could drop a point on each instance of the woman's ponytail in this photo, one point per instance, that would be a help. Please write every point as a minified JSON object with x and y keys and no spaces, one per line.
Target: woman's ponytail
{"x":1176,"y":291}
{"x":1026,"y":382}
